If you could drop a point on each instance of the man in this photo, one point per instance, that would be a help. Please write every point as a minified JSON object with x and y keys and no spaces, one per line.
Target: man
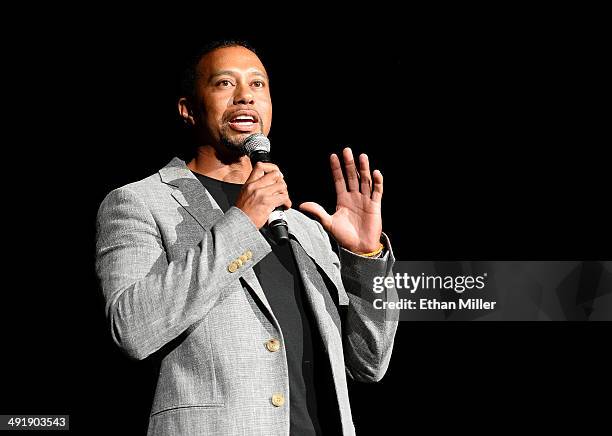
{"x":252,"y":337}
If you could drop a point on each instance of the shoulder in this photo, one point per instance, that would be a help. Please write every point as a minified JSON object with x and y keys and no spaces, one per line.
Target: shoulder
{"x":143,"y":194}
{"x":145,"y":189}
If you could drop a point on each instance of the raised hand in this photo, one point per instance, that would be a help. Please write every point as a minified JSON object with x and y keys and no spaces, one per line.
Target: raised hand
{"x":357,"y":223}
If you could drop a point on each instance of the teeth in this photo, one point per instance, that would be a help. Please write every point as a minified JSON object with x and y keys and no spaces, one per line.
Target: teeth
{"x":244,"y":118}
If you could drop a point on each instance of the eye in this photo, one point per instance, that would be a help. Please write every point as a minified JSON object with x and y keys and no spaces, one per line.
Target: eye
{"x":224,"y":83}
{"x":258,"y":84}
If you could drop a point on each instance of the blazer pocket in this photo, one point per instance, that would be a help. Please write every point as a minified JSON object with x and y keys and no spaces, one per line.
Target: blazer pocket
{"x":189,"y":406}
{"x":187,"y":376}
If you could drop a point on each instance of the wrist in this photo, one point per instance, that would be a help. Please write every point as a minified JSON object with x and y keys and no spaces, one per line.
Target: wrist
{"x":372,"y":253}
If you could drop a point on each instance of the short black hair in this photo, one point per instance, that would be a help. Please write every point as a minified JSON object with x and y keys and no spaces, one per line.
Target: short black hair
{"x":190,"y":72}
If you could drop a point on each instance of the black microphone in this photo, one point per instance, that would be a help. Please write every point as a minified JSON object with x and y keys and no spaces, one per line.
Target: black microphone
{"x":257,"y":147}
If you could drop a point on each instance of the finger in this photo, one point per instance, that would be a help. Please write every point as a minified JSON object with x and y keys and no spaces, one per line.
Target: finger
{"x":278,"y":199}
{"x":257,"y":172}
{"x":317,"y":210}
{"x":260,"y":169}
{"x":364,"y":172}
{"x":350,"y":170}
{"x":339,"y":182}
{"x":284,"y":201}
{"x":275,"y":188}
{"x":267,"y":167}
{"x":266,"y":180}
{"x":377,"y":191}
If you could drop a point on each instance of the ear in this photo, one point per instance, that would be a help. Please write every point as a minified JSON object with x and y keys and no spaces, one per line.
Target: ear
{"x":185,"y":111}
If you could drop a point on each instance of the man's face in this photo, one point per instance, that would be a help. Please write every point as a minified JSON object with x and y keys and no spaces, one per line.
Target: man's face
{"x":232,"y":97}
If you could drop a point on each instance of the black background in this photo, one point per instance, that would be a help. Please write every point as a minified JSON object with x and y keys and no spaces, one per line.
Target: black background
{"x":487,"y":125}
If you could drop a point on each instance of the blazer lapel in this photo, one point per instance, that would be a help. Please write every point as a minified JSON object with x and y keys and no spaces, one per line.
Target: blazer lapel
{"x":317,"y":292}
{"x":190,"y":193}
{"x":313,"y":250}
{"x":317,"y":289}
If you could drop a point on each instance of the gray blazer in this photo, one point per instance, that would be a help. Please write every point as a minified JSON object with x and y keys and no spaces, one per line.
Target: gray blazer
{"x":177,"y":277}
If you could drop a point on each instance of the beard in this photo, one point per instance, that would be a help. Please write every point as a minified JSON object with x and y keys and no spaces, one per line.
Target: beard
{"x":232,"y":141}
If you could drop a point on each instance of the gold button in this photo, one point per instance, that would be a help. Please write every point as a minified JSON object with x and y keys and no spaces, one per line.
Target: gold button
{"x":278,"y":400}
{"x":248,"y":254}
{"x":273,"y":345}
{"x":238,"y":262}
{"x":232,"y":267}
{"x":243,"y":258}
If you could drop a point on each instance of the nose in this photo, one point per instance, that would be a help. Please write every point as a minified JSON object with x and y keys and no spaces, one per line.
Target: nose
{"x":243,"y":95}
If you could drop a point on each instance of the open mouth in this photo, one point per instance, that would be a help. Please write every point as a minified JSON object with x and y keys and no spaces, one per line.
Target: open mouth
{"x":244,"y":121}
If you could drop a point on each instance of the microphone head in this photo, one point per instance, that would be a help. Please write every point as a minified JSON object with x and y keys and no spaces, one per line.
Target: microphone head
{"x":256,"y":142}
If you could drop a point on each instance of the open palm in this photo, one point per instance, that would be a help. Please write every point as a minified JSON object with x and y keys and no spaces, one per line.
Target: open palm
{"x":357,"y":222}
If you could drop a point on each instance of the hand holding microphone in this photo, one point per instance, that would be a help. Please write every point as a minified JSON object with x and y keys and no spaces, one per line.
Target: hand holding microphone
{"x":264,"y":194}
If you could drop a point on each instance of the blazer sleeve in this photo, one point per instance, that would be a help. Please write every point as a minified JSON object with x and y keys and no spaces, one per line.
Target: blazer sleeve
{"x":150,"y":301}
{"x":368,"y":333}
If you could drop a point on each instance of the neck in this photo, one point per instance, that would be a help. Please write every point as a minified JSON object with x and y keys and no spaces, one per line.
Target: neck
{"x":208,"y":162}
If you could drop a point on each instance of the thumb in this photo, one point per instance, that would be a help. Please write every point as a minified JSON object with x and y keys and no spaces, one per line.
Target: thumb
{"x":320,"y":214}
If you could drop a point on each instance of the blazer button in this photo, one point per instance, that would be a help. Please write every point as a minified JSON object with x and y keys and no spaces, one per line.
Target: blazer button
{"x":232,"y":267}
{"x":278,"y":400}
{"x":238,"y":262}
{"x":243,"y":258}
{"x":273,"y":345}
{"x":248,"y":254}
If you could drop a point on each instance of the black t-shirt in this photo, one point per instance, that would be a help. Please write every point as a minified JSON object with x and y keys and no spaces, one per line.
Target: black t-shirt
{"x":313,"y":405}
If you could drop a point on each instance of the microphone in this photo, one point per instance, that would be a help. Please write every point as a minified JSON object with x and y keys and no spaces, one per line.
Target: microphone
{"x":257,"y":147}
